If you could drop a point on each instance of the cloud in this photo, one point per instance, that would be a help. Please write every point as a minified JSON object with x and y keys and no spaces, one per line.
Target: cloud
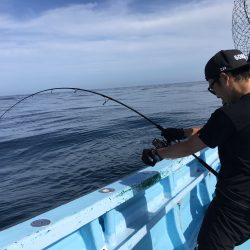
{"x":113,"y":44}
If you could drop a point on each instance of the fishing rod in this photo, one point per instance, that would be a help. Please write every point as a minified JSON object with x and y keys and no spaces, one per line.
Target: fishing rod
{"x":84,"y":90}
{"x":114,"y":100}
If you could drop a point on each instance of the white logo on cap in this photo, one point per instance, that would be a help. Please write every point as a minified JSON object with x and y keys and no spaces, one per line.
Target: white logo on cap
{"x":223,"y":68}
{"x":240,"y":56}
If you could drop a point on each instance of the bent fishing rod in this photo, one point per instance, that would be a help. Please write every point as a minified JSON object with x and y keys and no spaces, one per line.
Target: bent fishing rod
{"x":84,"y":90}
{"x":114,"y":100}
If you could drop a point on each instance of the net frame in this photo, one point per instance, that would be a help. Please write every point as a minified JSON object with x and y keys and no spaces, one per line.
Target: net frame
{"x":241,"y":25}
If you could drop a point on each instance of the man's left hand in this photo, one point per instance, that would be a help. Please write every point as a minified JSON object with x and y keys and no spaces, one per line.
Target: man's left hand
{"x":149,"y":157}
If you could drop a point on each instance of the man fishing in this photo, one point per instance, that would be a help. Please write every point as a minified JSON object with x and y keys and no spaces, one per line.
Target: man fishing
{"x":227,"y":221}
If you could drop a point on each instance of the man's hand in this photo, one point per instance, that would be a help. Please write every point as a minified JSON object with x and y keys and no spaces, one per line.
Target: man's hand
{"x":173,"y":134}
{"x":150,"y":157}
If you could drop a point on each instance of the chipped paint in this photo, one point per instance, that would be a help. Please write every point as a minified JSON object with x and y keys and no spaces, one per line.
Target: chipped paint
{"x":148,"y":182}
{"x":124,"y":191}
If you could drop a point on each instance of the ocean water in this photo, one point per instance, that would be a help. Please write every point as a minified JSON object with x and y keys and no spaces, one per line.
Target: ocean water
{"x":55,"y":147}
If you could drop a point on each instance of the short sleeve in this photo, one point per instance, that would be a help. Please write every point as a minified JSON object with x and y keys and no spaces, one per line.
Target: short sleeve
{"x":218,"y":129}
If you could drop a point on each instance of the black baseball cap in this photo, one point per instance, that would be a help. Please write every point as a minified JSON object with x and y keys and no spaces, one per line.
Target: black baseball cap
{"x":225,"y":61}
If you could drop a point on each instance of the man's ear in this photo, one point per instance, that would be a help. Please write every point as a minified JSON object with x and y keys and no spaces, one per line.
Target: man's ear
{"x":224,"y":78}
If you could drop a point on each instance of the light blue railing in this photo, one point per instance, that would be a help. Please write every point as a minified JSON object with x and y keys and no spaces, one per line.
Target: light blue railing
{"x":156,"y":208}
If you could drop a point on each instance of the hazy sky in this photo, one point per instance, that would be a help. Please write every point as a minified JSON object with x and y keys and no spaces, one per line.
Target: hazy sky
{"x":108,"y":43}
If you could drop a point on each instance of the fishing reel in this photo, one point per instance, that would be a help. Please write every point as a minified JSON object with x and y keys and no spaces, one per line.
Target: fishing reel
{"x":158,"y":143}
{"x":149,"y":156}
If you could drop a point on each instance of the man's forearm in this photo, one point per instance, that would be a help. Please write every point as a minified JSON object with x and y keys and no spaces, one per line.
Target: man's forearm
{"x":175,"y":151}
{"x":182,"y":149}
{"x":188,"y":132}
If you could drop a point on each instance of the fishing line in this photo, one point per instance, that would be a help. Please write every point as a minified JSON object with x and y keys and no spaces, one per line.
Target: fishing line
{"x":106,"y":99}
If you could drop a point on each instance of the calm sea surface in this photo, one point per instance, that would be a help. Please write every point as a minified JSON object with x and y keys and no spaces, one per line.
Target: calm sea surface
{"x":58,"y":146}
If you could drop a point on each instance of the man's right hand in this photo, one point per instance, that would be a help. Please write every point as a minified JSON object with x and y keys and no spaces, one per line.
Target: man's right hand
{"x":173,"y":134}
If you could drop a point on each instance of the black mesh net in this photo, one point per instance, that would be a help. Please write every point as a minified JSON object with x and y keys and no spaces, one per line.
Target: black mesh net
{"x":241,"y":25}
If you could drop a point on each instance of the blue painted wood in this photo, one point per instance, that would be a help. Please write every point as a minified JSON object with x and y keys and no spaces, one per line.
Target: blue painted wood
{"x":157,"y":208}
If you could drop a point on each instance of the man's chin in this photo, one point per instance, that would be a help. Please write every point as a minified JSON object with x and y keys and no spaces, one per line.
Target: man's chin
{"x":224,"y":102}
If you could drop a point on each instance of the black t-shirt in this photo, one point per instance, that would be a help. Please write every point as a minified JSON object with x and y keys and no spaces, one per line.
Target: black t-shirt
{"x":229,"y":129}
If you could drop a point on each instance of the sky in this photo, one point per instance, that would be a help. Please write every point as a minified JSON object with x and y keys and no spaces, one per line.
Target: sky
{"x":108,"y":43}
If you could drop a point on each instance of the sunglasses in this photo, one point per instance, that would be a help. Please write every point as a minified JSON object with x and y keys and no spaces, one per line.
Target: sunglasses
{"x":210,"y":88}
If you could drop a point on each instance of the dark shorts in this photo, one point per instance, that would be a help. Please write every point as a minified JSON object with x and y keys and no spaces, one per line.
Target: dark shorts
{"x":225,"y":226}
